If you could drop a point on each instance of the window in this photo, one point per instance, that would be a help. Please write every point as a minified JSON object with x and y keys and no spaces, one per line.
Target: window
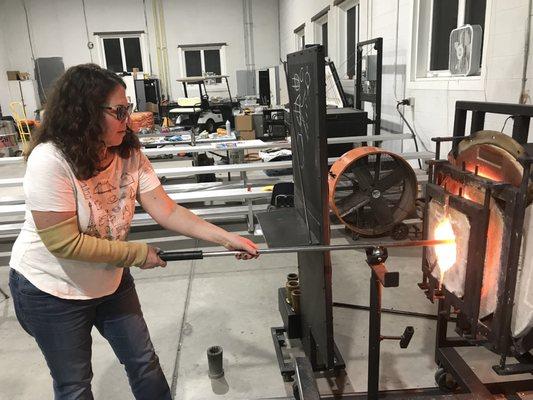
{"x":203,"y":60}
{"x":325,"y":38}
{"x":122,"y":51}
{"x":320,"y":22}
{"x":436,"y":20}
{"x":348,"y":34}
{"x":299,"y":34}
{"x":351,"y":24}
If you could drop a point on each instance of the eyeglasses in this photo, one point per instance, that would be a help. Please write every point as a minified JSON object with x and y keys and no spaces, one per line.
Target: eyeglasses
{"x":120,"y":112}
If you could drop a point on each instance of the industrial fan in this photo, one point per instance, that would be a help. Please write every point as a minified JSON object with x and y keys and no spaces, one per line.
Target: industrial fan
{"x":371,"y":190}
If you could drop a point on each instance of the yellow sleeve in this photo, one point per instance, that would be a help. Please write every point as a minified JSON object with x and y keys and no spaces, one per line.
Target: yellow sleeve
{"x":65,"y":240}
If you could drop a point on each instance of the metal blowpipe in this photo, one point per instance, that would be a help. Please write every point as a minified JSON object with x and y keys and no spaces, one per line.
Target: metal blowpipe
{"x":199,"y":254}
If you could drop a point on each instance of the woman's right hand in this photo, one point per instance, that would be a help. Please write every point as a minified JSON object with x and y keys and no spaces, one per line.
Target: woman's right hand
{"x":153,"y":260}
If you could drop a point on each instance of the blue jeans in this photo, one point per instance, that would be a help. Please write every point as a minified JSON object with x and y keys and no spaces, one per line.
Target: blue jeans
{"x":62,"y":329}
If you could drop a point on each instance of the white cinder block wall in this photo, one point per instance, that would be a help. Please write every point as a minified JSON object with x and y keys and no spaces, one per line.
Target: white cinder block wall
{"x":433,"y":111}
{"x":57,"y":29}
{"x":208,"y":21}
{"x":4,"y":66}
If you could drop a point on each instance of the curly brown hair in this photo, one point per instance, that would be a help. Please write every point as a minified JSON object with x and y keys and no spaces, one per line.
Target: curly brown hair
{"x":73,"y":118}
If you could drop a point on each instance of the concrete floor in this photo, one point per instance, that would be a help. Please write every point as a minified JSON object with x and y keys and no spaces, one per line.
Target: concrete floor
{"x":190,"y":306}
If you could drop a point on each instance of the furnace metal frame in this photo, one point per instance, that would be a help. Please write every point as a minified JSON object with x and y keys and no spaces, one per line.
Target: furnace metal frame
{"x":475,"y":332}
{"x":494,"y":333}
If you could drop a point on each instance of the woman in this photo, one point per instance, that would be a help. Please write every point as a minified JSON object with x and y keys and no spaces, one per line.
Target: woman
{"x":70,"y":262}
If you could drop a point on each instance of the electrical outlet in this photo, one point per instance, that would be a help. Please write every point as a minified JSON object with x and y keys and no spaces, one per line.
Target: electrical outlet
{"x":408,"y":101}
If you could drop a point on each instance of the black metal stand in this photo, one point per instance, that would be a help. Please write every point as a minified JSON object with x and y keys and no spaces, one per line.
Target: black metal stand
{"x":374,"y":336}
{"x":380,"y":278}
{"x":287,"y":369}
{"x":291,"y":329}
{"x":364,"y":96}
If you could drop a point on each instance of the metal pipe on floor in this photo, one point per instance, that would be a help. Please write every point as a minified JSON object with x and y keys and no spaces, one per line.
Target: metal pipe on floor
{"x":387,"y":311}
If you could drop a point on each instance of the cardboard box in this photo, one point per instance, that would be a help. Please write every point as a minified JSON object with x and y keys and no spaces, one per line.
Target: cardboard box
{"x":247,"y":135}
{"x":12,"y":75}
{"x":244,"y":123}
{"x":152,"y":107}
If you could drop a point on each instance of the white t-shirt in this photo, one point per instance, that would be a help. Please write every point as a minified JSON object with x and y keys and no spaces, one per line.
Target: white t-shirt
{"x":104,"y":205}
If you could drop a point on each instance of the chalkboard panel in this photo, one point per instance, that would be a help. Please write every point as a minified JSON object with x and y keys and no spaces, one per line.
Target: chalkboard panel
{"x":307,"y":97}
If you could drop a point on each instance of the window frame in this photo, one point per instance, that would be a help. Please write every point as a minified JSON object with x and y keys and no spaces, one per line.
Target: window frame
{"x":419,"y":52}
{"x":342,"y":35}
{"x":182,"y":49}
{"x":461,"y":4}
{"x":299,"y":38}
{"x":121,"y":36}
{"x":317,"y":28}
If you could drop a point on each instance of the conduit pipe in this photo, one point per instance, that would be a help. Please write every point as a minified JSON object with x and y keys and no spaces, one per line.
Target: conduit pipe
{"x":523,"y":95}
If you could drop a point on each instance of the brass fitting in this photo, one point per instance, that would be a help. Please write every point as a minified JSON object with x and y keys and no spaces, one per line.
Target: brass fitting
{"x":289,"y":287}
{"x":295,"y":300}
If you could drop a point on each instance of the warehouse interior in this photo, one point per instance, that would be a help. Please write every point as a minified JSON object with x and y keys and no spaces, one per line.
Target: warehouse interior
{"x":378,"y":154}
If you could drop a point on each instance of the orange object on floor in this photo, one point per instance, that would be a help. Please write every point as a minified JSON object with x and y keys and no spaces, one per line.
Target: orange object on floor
{"x":141,"y":120}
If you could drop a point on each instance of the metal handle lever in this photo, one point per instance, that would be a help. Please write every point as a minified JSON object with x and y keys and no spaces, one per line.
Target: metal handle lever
{"x":405,"y":339}
{"x":181,"y":255}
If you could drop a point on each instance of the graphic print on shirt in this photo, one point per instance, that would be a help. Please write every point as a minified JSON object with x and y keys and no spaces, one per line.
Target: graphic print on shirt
{"x":91,"y":225}
{"x":111,"y":204}
{"x":112,"y":199}
{"x":104,"y":187}
{"x":127,"y":213}
{"x":126,"y":180}
{"x":98,"y":204}
{"x":122,"y":230}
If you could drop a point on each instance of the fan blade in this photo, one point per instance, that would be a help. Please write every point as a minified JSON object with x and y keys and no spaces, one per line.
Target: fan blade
{"x":350,"y":178}
{"x":351,"y":203}
{"x":362,"y":175}
{"x":382,"y":211}
{"x":388,"y":181}
{"x":377,"y":168}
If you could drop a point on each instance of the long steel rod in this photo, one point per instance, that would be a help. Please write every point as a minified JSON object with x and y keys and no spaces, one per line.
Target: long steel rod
{"x":199,"y":254}
{"x":295,"y":249}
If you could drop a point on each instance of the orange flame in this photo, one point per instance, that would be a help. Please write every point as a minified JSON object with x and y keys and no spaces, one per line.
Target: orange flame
{"x":446,"y":253}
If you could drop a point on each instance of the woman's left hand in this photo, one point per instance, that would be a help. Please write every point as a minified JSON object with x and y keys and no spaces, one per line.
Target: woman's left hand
{"x":236,"y":242}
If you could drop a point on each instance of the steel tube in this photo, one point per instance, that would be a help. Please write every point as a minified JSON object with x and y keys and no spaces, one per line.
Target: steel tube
{"x":295,"y":249}
{"x":198,"y":254}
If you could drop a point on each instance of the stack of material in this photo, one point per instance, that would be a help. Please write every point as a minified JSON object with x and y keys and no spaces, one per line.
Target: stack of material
{"x":140,"y":120}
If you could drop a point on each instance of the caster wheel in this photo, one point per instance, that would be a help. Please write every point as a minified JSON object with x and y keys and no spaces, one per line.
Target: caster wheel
{"x":400,"y":232}
{"x":354,"y":236}
{"x":445,"y":381}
